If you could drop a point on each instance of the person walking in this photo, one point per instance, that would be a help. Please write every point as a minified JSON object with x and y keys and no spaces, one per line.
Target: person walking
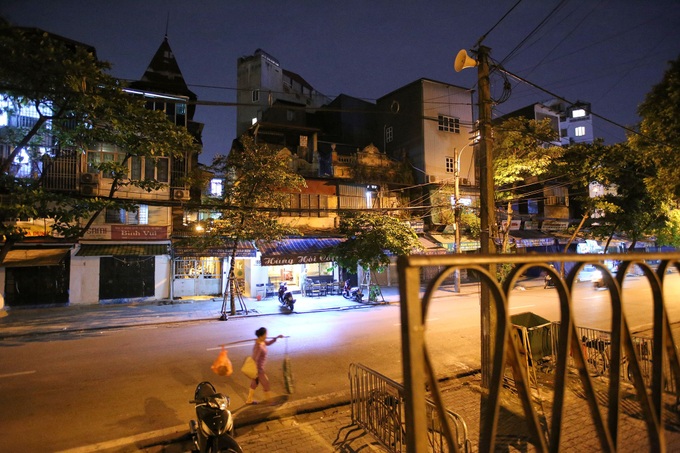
{"x":260,"y":358}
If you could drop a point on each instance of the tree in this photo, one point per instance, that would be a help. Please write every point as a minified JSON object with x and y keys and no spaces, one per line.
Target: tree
{"x":259,"y":183}
{"x":658,"y":139}
{"x":75,"y":104}
{"x":523,"y":150}
{"x":625,"y":203}
{"x":370,"y":238}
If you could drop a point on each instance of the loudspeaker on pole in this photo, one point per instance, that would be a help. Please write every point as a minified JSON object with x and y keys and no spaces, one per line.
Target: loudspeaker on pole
{"x":463,"y":60}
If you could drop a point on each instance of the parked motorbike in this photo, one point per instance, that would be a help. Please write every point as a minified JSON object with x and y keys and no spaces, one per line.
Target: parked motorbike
{"x":288,"y":301}
{"x":213,"y":431}
{"x":283,"y":287}
{"x":286,"y":297}
{"x":548,"y":281}
{"x":350,"y":293}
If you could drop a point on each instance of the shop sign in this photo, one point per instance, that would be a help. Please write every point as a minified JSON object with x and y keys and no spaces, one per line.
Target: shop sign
{"x":531,"y":225}
{"x":284,"y":260}
{"x":554,"y":225}
{"x":138,"y":232}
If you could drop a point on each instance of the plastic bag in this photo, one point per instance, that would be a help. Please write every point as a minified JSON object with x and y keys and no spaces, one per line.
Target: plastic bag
{"x":222,"y":365}
{"x":249,"y":368}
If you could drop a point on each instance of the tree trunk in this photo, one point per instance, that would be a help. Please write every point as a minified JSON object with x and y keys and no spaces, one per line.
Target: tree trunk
{"x":232,"y":279}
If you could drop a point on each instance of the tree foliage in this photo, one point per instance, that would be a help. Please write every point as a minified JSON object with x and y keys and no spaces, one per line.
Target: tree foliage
{"x":259,"y":183}
{"x":625,"y":204}
{"x":523,"y":148}
{"x":370,"y":238}
{"x":76,"y":104}
{"x":658,"y":140}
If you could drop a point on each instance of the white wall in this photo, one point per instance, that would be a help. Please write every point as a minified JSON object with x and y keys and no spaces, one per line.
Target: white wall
{"x":84,"y":280}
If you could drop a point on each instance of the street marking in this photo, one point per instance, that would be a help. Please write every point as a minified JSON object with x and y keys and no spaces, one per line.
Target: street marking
{"x":521,"y":306}
{"x":131,"y":440}
{"x":20,"y":373}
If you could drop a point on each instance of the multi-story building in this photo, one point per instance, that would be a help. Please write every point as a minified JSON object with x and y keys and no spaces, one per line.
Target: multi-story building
{"x":261,"y":82}
{"x":430,"y":125}
{"x":126,"y":254}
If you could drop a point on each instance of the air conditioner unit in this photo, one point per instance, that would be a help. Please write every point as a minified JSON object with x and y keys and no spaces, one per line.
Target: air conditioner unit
{"x":431,"y":178}
{"x":89,"y":190}
{"x":180,"y":194}
{"x":89,"y":178}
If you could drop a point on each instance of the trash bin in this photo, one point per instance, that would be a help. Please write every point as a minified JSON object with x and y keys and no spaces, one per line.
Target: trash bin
{"x":535,"y":334}
{"x":260,"y":291}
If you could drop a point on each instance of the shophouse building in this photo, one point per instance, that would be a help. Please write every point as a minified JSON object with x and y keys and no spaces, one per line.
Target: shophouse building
{"x":126,"y":255}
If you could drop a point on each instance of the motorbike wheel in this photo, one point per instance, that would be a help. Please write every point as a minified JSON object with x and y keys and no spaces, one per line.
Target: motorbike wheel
{"x":346,"y":295}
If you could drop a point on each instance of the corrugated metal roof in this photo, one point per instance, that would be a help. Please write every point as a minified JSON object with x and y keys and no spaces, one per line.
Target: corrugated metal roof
{"x":35,"y":257}
{"x":123,"y":249}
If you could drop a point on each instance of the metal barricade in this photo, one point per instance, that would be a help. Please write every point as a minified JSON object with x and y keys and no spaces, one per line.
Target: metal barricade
{"x":596,"y":345}
{"x":500,"y":350}
{"x":377,"y":406}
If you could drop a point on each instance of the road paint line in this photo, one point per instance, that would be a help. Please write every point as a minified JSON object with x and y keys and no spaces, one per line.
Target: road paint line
{"x":19,"y":373}
{"x":131,"y":440}
{"x":522,"y":306}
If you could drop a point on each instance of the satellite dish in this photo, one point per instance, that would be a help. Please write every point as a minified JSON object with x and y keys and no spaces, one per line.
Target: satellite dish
{"x":463,"y":61}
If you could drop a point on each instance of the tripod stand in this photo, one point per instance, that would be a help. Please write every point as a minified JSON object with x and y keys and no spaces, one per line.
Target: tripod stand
{"x":232,"y":285}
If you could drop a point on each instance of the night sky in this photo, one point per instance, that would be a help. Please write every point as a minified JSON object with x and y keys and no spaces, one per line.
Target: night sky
{"x":608,"y":53}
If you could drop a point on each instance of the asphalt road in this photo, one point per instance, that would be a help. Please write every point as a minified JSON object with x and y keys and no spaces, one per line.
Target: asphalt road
{"x":87,"y":391}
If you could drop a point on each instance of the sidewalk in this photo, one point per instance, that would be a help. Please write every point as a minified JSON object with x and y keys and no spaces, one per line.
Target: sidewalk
{"x":51,"y":320}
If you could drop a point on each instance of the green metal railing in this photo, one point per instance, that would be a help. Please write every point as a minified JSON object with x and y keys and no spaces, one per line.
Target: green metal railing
{"x":418,"y":366}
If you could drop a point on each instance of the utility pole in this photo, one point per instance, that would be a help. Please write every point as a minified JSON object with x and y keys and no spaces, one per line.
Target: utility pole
{"x":487,"y":212}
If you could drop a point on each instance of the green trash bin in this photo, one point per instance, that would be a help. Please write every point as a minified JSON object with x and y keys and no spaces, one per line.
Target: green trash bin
{"x":535,"y":330}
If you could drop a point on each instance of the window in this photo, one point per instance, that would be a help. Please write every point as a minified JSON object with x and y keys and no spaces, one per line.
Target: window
{"x":580,"y":131}
{"x":532,"y":206}
{"x":256,"y":95}
{"x":121,"y":216}
{"x":309,"y":205}
{"x":578,"y":113}
{"x":149,"y":168}
{"x":389,"y":134}
{"x":450,"y":165}
{"x":449,"y":124}
{"x":104,"y":154}
{"x":216,"y":187}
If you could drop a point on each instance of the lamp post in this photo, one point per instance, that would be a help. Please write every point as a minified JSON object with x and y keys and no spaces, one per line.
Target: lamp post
{"x":455,"y":205}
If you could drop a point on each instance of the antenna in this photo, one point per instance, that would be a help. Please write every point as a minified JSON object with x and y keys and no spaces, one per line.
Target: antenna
{"x":167,"y":23}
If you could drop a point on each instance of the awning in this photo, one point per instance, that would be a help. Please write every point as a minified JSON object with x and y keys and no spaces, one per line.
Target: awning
{"x":531,"y":238}
{"x":244,"y":249}
{"x":123,"y":249}
{"x":430,"y":247}
{"x":297,"y":251}
{"x":448,"y":241}
{"x":35,"y":257}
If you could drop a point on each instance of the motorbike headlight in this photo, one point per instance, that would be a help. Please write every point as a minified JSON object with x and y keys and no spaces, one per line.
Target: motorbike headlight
{"x":597,"y":275}
{"x":222,"y":401}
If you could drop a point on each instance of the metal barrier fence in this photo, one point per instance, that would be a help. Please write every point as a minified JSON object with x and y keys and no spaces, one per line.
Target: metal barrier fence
{"x":377,"y":405}
{"x":499,"y":350}
{"x":596,"y":345}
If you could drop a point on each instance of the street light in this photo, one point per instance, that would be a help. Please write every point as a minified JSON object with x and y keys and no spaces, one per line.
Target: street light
{"x":455,"y":205}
